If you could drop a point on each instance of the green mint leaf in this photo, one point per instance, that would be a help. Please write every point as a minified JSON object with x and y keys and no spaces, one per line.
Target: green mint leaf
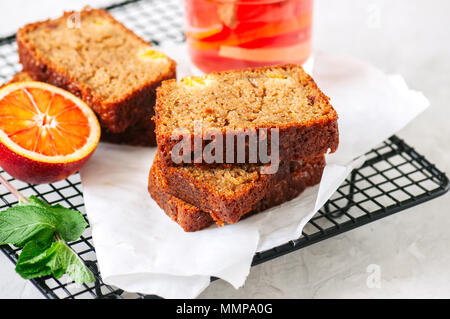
{"x":56,"y":259}
{"x":35,"y":201}
{"x":58,"y":263}
{"x":32,"y":225}
{"x":72,"y":223}
{"x":74,"y":266}
{"x":20,"y":224}
{"x":34,"y":259}
{"x":69,"y":224}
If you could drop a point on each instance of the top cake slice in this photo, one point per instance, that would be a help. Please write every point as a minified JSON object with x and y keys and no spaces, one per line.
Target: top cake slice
{"x":246,"y":101}
{"x":94,"y":56}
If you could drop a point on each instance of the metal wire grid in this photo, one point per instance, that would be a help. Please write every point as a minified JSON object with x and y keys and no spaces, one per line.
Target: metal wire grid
{"x":67,"y":193}
{"x":156,"y":21}
{"x":393,"y":178}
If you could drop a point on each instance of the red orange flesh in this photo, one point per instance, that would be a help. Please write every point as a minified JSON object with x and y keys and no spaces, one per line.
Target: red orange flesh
{"x":46,"y":134}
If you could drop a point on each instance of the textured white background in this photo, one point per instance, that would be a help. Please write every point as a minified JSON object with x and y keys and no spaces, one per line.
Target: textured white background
{"x":410,"y":249}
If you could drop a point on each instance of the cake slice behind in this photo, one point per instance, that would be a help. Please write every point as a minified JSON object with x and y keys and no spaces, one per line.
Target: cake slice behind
{"x":95,"y":57}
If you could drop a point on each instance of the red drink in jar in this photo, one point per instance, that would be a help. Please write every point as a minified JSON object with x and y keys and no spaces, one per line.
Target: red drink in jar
{"x":234,"y":34}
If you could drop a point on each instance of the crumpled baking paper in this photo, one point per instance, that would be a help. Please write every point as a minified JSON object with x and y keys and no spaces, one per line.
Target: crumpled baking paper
{"x":139,"y":249}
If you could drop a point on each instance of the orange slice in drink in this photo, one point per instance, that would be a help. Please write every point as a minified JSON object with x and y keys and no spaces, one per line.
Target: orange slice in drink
{"x":294,"y":54}
{"x":301,"y":23}
{"x":201,"y":33}
{"x":46,"y":133}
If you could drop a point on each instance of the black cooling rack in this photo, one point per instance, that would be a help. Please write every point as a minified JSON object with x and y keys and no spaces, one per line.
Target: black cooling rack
{"x":393,"y":178}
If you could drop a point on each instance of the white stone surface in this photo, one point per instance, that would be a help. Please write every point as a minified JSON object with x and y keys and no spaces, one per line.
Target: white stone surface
{"x":408,"y":250}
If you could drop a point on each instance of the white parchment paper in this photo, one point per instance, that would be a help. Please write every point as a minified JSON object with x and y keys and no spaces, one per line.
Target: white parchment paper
{"x":139,"y":249}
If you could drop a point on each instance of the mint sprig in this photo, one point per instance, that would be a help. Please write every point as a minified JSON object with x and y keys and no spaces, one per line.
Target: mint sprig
{"x":42,"y":230}
{"x":57,"y":259}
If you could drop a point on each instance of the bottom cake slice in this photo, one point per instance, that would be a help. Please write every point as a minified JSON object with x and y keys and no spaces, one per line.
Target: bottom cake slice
{"x":192,"y":218}
{"x":230,"y":192}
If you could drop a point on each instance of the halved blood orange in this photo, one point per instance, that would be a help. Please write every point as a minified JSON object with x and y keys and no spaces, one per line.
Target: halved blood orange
{"x":46,"y":133}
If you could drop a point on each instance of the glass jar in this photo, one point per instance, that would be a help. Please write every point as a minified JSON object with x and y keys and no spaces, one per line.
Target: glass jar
{"x":234,"y":34}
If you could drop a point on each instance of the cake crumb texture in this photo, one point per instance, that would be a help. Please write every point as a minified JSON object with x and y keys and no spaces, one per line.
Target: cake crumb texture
{"x":99,"y":60}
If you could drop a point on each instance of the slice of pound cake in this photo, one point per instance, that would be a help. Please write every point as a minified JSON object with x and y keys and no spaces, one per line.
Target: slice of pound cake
{"x":257,"y":102}
{"x":92,"y":55}
{"x":227,"y":194}
{"x":192,"y":218}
